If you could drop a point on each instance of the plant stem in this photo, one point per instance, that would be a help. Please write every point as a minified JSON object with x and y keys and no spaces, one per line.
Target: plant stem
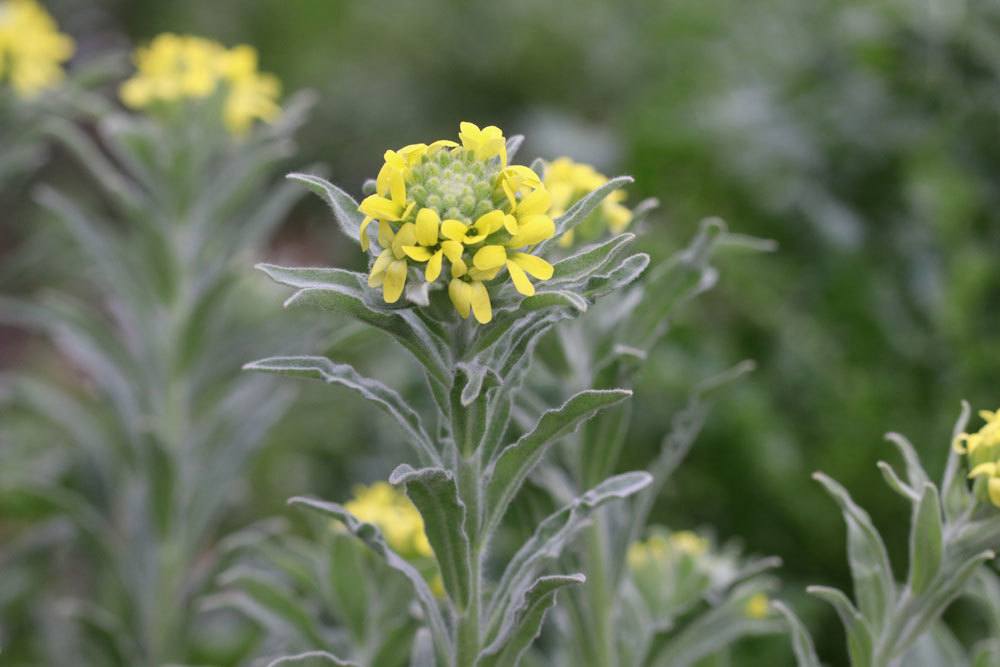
{"x":599,"y":601}
{"x":468,"y":632}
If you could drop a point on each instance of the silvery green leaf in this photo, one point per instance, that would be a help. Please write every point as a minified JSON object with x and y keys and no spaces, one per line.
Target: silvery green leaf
{"x":895,"y":483}
{"x":371,"y":536}
{"x":469,"y":405}
{"x":435,"y":494}
{"x":551,"y":537}
{"x":272,"y":595}
{"x":874,"y":584}
{"x":579,"y":211}
{"x":303,"y":277}
{"x":859,"y":635}
{"x":602,"y":440}
{"x":539,"y":167}
{"x":345,"y":208}
{"x":402,"y":325}
{"x":928,"y":608}
{"x":986,"y":654}
{"x":642,"y":210}
{"x":802,"y":643}
{"x":345,"y":375}
{"x":926,"y":543}
{"x":624,"y":274}
{"x":524,"y":622}
{"x":423,"y":650}
{"x":541,"y":304}
{"x":914,"y":471}
{"x":513,"y":145}
{"x":507,"y":472}
{"x":312,"y":659}
{"x":590,"y":259}
{"x":955,"y":495}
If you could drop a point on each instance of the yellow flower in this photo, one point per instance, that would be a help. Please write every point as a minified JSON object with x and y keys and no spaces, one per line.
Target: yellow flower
{"x":570,"y":181}
{"x":689,"y":542}
{"x":174,"y":68}
{"x":987,"y":436}
{"x":400,"y":522}
{"x":32,"y":49}
{"x":991,"y":471}
{"x":982,"y":450}
{"x":463,"y":203}
{"x":757,"y":607}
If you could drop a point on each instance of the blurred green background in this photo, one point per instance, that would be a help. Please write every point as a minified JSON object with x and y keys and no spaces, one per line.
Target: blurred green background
{"x":864,"y":137}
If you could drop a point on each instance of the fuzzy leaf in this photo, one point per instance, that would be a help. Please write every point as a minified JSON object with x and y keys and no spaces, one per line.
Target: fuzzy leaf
{"x":926,"y":544}
{"x":552,"y":536}
{"x":874,"y":583}
{"x":435,"y":495}
{"x":590,"y":259}
{"x":372,"y":537}
{"x":524,"y":622}
{"x":859,"y":636}
{"x":343,"y":374}
{"x":301,"y":277}
{"x":312,"y":659}
{"x":513,"y":145}
{"x":345,"y":208}
{"x":802,"y":643}
{"x":273,"y":597}
{"x":402,"y":325}
{"x":511,"y":467}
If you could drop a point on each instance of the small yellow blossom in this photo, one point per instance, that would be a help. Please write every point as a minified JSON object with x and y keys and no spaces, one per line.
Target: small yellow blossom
{"x":32,"y":50}
{"x":174,"y":68}
{"x":382,"y":505}
{"x":463,"y":203}
{"x":689,"y":542}
{"x":982,"y":450}
{"x":757,"y":607}
{"x":570,"y":181}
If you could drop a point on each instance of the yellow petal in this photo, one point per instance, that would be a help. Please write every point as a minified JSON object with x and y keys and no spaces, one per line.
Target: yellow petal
{"x":377,"y":274}
{"x":433,"y":269}
{"x":536,"y":203}
{"x":454,"y":230}
{"x":520,"y":279}
{"x":417,"y":253}
{"x":983,"y":470}
{"x":460,"y":293}
{"x":395,"y":280}
{"x":397,"y":187}
{"x":480,"y":299}
{"x":385,"y":234}
{"x":428,"y":222}
{"x":488,"y":274}
{"x":453,"y":251}
{"x":381,"y":208}
{"x":533,"y":229}
{"x":489,"y":257}
{"x":510,"y":223}
{"x":405,"y":235}
{"x":362,"y":232}
{"x":536,"y":266}
{"x":489,"y":222}
{"x":994,"y":490}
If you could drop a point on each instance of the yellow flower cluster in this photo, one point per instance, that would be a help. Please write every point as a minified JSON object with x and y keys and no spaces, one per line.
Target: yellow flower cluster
{"x":983,"y":451}
{"x":382,"y":505}
{"x":758,"y":606}
{"x":182,"y":67}
{"x":463,"y":203}
{"x":570,"y":181}
{"x":32,"y":50}
{"x":659,"y":547}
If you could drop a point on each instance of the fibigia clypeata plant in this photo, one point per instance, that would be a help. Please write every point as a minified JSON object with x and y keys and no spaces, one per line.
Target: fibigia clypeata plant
{"x":159,"y":323}
{"x":955,"y":530}
{"x":446,"y":225}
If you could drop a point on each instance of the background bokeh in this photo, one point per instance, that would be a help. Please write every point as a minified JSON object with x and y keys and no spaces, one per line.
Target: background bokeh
{"x":862,"y":136}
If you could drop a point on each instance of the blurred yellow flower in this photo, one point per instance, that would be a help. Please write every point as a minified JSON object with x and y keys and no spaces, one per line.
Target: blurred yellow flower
{"x":174,"y":68}
{"x":689,"y":542}
{"x":570,"y":181}
{"x":463,"y":203}
{"x":400,"y":522}
{"x":982,"y":450}
{"x":757,"y":607}
{"x":32,"y":50}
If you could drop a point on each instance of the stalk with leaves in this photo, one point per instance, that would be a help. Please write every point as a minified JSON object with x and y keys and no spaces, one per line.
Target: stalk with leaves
{"x":954,"y":531}
{"x":464,"y":203}
{"x":150,"y":449}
